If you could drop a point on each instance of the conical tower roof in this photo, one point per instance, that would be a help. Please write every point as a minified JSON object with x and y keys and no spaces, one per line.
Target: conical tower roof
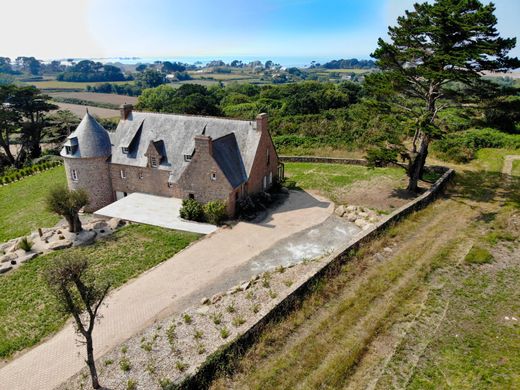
{"x":90,"y":139}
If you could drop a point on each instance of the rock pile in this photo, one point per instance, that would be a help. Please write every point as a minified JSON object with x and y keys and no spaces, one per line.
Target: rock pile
{"x":361,"y":216}
{"x":52,"y":239}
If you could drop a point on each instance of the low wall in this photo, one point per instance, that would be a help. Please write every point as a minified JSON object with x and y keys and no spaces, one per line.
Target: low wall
{"x":221,"y":359}
{"x":324,"y":160}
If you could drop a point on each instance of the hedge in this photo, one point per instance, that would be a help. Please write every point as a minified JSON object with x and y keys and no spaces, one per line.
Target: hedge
{"x":19,"y":174}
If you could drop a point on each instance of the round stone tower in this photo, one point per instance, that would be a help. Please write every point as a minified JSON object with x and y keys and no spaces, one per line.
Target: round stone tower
{"x":85,"y":154}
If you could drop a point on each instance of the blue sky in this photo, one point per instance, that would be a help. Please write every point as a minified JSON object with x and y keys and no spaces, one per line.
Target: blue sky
{"x":144,"y":28}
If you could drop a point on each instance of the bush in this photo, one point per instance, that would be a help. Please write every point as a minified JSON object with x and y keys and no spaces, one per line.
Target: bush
{"x":192,"y":210}
{"x":462,"y":146}
{"x":215,"y":212}
{"x":25,"y":244}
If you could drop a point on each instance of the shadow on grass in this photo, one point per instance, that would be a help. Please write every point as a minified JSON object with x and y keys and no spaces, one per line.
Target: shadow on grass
{"x":483,"y":186}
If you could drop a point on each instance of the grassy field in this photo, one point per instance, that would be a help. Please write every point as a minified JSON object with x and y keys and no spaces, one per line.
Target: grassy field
{"x":516,"y":168}
{"x":410,"y":309}
{"x":80,"y":110}
{"x":63,"y":85}
{"x":109,"y":98}
{"x":22,"y":204}
{"x":375,"y":188}
{"x":29,"y":312}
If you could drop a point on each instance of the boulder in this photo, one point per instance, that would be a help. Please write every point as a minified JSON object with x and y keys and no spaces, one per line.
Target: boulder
{"x":351,"y":217}
{"x":205,"y":301}
{"x":215,"y":298}
{"x":244,"y":286}
{"x":351,"y":208}
{"x":114,"y":223}
{"x":99,"y":225}
{"x":360,"y":222}
{"x":5,"y":269}
{"x":340,"y":211}
{"x":57,"y":245}
{"x":85,"y":237}
{"x":28,"y":257}
{"x":8,"y":257}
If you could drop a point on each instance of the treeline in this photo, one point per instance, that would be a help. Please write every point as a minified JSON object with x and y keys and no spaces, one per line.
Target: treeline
{"x":90,"y":71}
{"x":352,"y":63}
{"x":310,"y":114}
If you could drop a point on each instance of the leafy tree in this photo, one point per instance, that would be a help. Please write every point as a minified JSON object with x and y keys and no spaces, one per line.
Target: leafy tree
{"x":150,"y":78}
{"x":141,"y":67}
{"x":79,"y":294}
{"x":61,"y":124}
{"x":67,"y":203}
{"x":30,"y":65}
{"x":434,"y":49}
{"x":90,"y":71}
{"x":10,"y":121}
{"x":172,"y":67}
{"x":5,"y":65}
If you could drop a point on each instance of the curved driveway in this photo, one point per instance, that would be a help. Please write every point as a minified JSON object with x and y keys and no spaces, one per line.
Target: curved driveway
{"x":167,"y":288}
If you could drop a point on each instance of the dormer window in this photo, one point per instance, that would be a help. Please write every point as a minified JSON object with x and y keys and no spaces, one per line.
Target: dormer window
{"x":187,"y":157}
{"x":124,"y":150}
{"x":68,"y":149}
{"x":71,"y":146}
{"x":153,"y":162}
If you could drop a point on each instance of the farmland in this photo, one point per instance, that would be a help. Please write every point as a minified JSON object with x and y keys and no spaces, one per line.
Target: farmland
{"x":109,"y":98}
{"x":80,"y":110}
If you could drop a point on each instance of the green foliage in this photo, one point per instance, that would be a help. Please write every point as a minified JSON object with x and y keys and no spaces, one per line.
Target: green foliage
{"x":125,"y":364}
{"x":462,"y":146}
{"x":25,"y":244}
{"x":91,"y":71}
{"x":381,"y":157}
{"x":215,"y":212}
{"x":192,"y":210}
{"x":187,"y":319}
{"x":478,"y":255}
{"x":224,"y":333}
{"x":131,"y":384}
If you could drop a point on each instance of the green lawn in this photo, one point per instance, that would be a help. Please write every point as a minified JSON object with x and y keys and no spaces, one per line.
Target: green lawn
{"x":329,"y":178}
{"x":29,"y":312}
{"x":516,"y":168}
{"x":22,"y":204}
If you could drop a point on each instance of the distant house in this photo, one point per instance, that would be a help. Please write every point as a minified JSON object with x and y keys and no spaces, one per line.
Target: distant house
{"x":180,"y":156}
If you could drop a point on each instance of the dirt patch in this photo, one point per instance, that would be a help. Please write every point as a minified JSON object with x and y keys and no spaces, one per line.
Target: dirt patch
{"x":382,"y":193}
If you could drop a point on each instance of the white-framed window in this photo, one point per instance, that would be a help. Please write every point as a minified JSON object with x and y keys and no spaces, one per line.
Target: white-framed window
{"x":74,"y":174}
{"x":124,"y":150}
{"x":123,"y":174}
{"x":153,"y":162}
{"x":213,"y":176}
{"x":68,"y":150}
{"x":270,"y":178}
{"x":187,"y":157}
{"x":264,"y":183}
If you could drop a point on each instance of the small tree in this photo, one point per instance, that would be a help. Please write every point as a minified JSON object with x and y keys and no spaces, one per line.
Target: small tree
{"x":70,"y":281}
{"x":68,"y":203}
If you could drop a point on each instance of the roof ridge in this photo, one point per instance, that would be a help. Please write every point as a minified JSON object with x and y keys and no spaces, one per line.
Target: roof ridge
{"x":224,"y":118}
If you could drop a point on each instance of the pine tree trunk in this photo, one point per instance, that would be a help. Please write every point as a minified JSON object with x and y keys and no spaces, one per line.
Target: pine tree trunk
{"x":417,"y":165}
{"x":91,"y":363}
{"x":77,"y":224}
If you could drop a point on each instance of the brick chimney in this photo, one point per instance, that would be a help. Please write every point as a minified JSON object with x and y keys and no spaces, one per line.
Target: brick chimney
{"x":203,"y":145}
{"x":261,"y":122}
{"x":125,"y":110}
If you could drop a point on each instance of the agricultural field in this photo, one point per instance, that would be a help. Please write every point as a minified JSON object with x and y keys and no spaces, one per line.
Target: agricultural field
{"x":378,"y":188}
{"x":430,"y":304}
{"x":108,"y":98}
{"x":22,"y":204}
{"x":118,"y":258}
{"x":66,"y":85}
{"x":80,"y":110}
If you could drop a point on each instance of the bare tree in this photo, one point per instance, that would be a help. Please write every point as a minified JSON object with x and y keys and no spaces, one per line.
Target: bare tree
{"x":68,"y":203}
{"x":79,"y":294}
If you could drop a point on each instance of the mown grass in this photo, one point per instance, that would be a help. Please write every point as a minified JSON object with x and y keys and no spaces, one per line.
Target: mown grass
{"x":516,"y":168}
{"x":29,"y":312}
{"x":22,"y":204}
{"x":329,"y":178}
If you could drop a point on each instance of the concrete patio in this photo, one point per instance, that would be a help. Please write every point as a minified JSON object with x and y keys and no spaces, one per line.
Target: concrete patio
{"x":153,"y":210}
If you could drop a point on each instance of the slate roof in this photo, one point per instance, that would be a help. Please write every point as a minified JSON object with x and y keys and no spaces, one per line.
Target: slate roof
{"x":227,"y":155}
{"x":90,"y":139}
{"x":234,"y":155}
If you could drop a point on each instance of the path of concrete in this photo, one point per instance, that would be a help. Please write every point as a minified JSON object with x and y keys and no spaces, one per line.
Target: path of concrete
{"x":208,"y":265}
{"x":507,"y":168}
{"x":153,"y":210}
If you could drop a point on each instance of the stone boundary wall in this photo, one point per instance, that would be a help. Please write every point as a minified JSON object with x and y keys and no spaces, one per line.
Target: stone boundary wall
{"x":325,"y":160}
{"x":220,"y":360}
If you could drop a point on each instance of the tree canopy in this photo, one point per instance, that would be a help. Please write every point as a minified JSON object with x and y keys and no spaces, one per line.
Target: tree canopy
{"x":435,"y":58}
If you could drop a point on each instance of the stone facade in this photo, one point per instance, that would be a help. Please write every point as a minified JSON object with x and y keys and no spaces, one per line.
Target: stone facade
{"x":211,"y":169}
{"x":92,"y":175}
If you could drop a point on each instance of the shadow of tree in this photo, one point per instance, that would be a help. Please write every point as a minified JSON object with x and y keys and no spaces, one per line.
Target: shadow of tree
{"x":484,"y":186}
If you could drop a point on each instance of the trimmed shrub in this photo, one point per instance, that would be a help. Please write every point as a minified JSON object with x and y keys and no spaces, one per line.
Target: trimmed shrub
{"x":192,"y":210}
{"x":215,"y":212}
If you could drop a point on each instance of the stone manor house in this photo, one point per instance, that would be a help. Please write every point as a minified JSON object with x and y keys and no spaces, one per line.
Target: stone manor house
{"x":179,"y":156}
